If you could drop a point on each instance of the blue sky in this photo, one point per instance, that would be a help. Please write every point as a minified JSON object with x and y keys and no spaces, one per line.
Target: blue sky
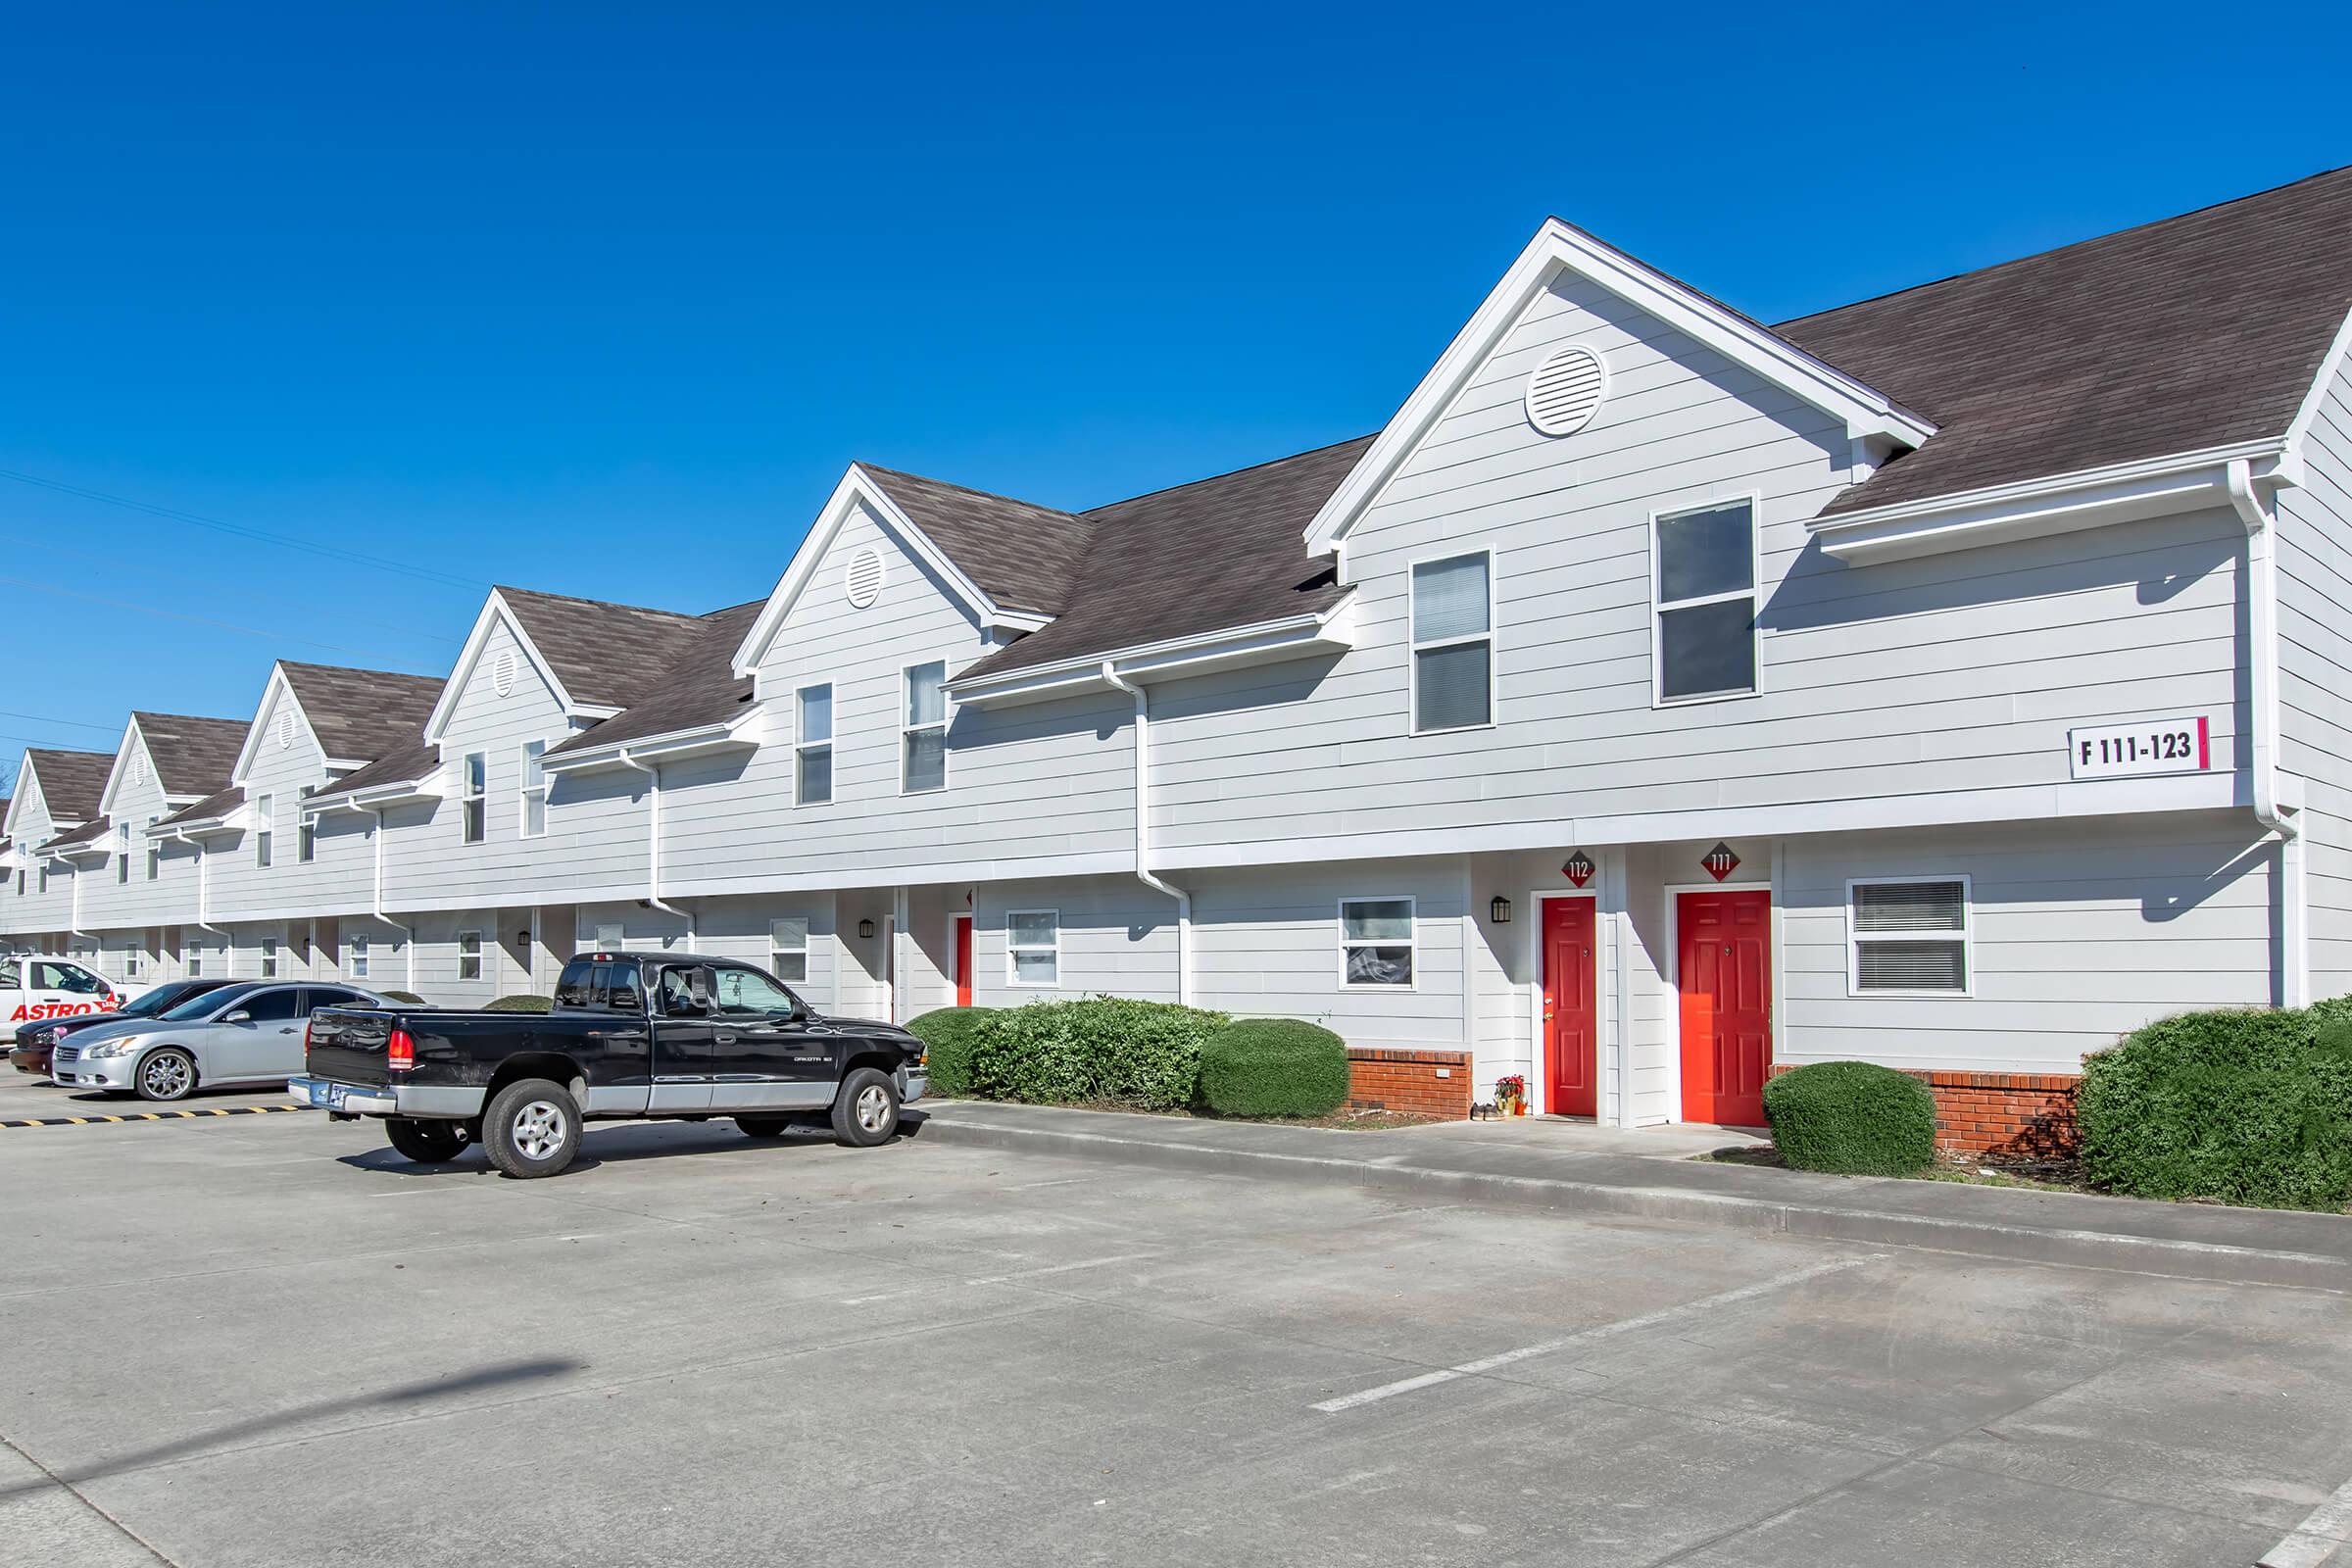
{"x":602,"y":301}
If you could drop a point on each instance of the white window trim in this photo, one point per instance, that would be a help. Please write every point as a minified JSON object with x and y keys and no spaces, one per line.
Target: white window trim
{"x":1753,"y":593}
{"x":946,"y":715}
{"x":831,"y":743}
{"x":776,"y":951}
{"x":524,"y":790}
{"x":479,"y":970}
{"x":155,"y":852}
{"x":265,"y":949}
{"x":265,"y":836}
{"x":1414,"y":648}
{"x":1966,"y":934}
{"x":468,"y":796}
{"x":1413,"y":942}
{"x":1013,"y":975}
{"x":355,"y":955}
{"x":121,"y":854}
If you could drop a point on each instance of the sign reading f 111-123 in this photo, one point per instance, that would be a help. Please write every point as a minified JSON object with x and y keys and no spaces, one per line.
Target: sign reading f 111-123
{"x":2149,"y":746}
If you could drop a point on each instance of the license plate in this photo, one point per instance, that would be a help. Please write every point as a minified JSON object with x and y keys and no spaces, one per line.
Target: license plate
{"x":328,"y":1094}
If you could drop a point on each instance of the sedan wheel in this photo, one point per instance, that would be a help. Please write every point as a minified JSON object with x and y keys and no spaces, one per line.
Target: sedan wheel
{"x":168,"y":1074}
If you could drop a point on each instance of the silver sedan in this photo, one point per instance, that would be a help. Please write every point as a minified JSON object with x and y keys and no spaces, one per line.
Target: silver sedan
{"x":250,"y":1033}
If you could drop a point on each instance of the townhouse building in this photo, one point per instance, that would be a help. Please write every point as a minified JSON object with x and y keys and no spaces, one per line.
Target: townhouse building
{"x":1657,"y":700}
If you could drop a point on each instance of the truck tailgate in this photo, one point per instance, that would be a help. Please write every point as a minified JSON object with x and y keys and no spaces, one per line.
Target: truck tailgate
{"x":347,"y":1044}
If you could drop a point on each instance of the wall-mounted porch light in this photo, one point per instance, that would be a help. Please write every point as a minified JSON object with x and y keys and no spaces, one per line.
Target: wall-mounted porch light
{"x":865,"y":929}
{"x":1499,"y":911}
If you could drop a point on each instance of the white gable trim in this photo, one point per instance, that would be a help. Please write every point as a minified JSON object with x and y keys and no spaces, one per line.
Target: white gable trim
{"x":27,"y":789}
{"x":254,"y":732}
{"x":2298,"y":432}
{"x":1558,"y":248}
{"x":857,"y":485}
{"x":495,"y":613}
{"x":116,"y":776}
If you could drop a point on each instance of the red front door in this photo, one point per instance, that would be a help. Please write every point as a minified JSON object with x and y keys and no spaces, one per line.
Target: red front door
{"x":964,"y":960}
{"x":1568,"y":1014}
{"x":1726,"y":973}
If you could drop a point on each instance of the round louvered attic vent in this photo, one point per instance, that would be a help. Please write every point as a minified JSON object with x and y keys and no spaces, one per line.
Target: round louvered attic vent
{"x":1564,"y":393}
{"x":502,"y":674}
{"x":285,"y":731}
{"x":138,"y":767}
{"x":861,"y":581}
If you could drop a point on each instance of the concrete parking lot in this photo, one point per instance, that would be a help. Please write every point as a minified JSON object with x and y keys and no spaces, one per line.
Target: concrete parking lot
{"x":264,"y":1340}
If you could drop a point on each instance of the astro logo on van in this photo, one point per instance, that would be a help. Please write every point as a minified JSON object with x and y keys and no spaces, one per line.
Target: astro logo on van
{"x":50,"y":1010}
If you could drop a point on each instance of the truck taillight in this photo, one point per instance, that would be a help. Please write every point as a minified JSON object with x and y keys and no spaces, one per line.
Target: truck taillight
{"x":400,"y":1051}
{"x":308,"y":1024}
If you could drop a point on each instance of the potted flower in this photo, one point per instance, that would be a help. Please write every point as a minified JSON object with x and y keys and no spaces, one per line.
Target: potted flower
{"x":1510,"y":1094}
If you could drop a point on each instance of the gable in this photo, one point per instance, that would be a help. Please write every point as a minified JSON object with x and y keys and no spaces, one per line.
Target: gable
{"x":862,"y":497}
{"x":505,"y":687}
{"x":28,"y":814}
{"x":279,"y":725}
{"x":826,"y":632}
{"x":482,"y":668}
{"x":1561,"y":250}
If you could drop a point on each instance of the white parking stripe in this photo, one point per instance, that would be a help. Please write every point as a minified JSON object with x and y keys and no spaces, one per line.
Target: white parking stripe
{"x":1000,"y":1279}
{"x":2315,"y":1540}
{"x":1469,"y":1369}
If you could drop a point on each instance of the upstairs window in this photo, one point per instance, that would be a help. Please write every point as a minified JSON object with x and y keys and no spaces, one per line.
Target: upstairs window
{"x":155,"y":853}
{"x":1376,"y":942}
{"x":306,"y":829}
{"x":475,"y":786}
{"x":788,"y":949}
{"x":265,"y":811}
{"x":1908,"y":939}
{"x":1703,"y":642}
{"x":534,"y":788}
{"x":1454,"y":643}
{"x":121,"y":854}
{"x":924,"y":748}
{"x":813,"y":749}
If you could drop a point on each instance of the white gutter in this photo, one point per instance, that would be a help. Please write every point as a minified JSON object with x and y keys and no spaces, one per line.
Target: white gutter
{"x":1143,"y":832}
{"x":653,"y":845}
{"x":376,"y":904}
{"x":2262,"y":635}
{"x":204,"y":887}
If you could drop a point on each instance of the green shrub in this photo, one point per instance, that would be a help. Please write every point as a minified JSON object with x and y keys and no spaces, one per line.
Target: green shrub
{"x":2244,"y":1106}
{"x":1273,"y":1067}
{"x":1854,"y":1117}
{"x":1107,"y":1049}
{"x":408,"y":997}
{"x":947,"y":1036}
{"x":521,"y":1002}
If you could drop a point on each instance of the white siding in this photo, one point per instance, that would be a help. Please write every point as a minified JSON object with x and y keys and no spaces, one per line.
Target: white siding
{"x":2315,"y":631}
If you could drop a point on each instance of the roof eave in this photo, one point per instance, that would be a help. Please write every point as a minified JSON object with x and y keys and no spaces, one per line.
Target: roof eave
{"x":2054,"y":504}
{"x":1330,"y":629}
{"x":700,"y":740}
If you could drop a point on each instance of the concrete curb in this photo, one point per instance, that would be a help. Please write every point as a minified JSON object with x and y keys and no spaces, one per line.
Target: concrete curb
{"x":2027,"y":1244}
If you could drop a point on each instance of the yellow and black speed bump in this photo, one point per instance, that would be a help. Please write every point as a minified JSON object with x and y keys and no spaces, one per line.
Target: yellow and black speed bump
{"x":151,"y":1116}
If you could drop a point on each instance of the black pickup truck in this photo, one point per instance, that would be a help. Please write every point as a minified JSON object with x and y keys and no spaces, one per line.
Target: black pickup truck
{"x":630,"y":1036}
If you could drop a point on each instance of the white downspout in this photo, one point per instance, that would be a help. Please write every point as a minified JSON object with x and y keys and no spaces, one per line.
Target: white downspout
{"x":652,"y":847}
{"x":1142,"y":833}
{"x":203,"y":899}
{"x":375,"y":904}
{"x":2262,"y":635}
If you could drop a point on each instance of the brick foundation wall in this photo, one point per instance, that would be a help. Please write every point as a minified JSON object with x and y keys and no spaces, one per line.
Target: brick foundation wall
{"x":2018,"y":1116}
{"x":1406,"y":1079}
{"x":2013,"y":1115}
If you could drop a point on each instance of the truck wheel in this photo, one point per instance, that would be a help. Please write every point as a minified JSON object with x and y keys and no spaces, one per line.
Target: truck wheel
{"x":764,"y":1126}
{"x":867,"y":1110}
{"x":533,"y":1128}
{"x":426,"y":1142}
{"x":168,"y":1074}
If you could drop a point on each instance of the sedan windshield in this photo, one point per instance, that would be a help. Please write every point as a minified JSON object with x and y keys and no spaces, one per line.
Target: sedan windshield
{"x":203,"y":1007}
{"x":154,"y":1003}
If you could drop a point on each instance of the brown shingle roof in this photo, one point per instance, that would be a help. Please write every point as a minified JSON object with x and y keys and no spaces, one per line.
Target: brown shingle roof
{"x":699,"y":689}
{"x":71,"y":781}
{"x":1023,"y":557}
{"x":192,"y":756}
{"x":87,"y":833}
{"x":358,"y":715}
{"x":404,"y":764}
{"x":605,"y":654}
{"x":1198,"y":557}
{"x":216,"y":804}
{"x":2190,"y":332}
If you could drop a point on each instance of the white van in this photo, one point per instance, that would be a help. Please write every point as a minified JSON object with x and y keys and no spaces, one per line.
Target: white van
{"x":36,"y":986}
